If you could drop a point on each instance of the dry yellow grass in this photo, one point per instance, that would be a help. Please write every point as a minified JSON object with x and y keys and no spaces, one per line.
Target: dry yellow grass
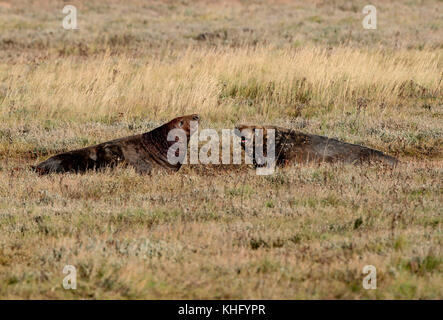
{"x":221,"y":231}
{"x":223,"y":84}
{"x":305,"y":232}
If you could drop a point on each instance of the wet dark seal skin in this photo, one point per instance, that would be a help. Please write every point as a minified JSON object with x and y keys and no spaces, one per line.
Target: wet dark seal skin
{"x":295,"y":146}
{"x":142,"y":151}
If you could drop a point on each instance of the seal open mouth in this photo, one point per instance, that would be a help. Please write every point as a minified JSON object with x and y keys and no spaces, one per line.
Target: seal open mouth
{"x":245,"y":133}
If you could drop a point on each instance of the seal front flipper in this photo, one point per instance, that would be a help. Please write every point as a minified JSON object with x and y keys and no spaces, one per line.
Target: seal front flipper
{"x":107,"y":154}
{"x":137,"y":157}
{"x":140,"y":166}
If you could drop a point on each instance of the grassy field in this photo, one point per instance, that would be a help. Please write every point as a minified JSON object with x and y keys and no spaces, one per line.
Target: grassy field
{"x":222,"y":231}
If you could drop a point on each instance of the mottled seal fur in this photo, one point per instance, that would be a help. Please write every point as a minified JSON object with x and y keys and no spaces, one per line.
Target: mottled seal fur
{"x":295,"y":146}
{"x":142,"y":151}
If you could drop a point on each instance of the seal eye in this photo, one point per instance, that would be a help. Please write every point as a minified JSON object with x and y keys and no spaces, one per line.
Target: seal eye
{"x":180,"y":124}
